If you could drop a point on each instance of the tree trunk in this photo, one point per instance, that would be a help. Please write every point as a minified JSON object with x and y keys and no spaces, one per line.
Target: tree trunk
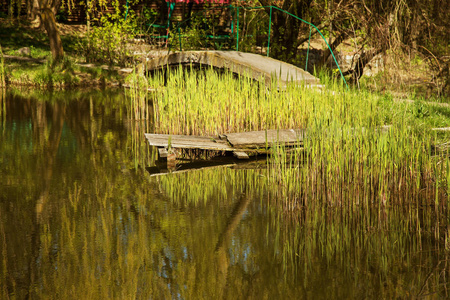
{"x":285,"y":29}
{"x":284,"y":37}
{"x":326,"y":53}
{"x":363,"y":60}
{"x":34,"y":14}
{"x":11,"y":10}
{"x":49,"y":22}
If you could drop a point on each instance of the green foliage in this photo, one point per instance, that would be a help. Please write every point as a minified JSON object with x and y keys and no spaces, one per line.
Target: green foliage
{"x":420,"y":110}
{"x":143,"y":20}
{"x":48,"y":75}
{"x":108,"y":43}
{"x":55,"y":74}
{"x":62,"y":15}
{"x":417,"y":60}
{"x":385,"y":104}
{"x":192,"y":38}
{"x":195,"y":33}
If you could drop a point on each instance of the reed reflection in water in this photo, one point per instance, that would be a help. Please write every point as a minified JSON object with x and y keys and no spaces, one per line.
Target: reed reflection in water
{"x":80,"y":217}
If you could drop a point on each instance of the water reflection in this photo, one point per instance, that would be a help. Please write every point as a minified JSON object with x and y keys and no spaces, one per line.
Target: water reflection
{"x":81,"y":217}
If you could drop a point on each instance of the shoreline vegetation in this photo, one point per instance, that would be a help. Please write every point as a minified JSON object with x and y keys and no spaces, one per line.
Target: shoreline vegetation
{"x":364,"y":205}
{"x":346,"y":155}
{"x":363,"y":152}
{"x":26,"y":61}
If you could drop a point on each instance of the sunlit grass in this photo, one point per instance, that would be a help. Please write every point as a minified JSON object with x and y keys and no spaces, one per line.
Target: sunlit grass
{"x":211,"y":103}
{"x":360,"y":148}
{"x":368,"y":165}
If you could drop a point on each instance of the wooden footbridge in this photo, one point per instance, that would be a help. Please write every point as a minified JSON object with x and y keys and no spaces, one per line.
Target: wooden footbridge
{"x":247,"y":64}
{"x":242,"y":145}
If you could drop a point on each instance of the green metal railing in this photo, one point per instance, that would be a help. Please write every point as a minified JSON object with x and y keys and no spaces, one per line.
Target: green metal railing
{"x":235,"y":29}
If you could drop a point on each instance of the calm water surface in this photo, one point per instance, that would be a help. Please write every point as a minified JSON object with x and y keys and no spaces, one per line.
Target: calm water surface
{"x":81,"y":218}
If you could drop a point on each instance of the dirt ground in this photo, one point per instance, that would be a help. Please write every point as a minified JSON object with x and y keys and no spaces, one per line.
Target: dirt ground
{"x":72,"y":29}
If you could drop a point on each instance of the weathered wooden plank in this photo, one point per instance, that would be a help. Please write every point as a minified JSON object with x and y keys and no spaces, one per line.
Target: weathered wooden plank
{"x":240,"y":155}
{"x":184,"y":141}
{"x":441,"y":129}
{"x":162,"y":152}
{"x":259,"y":139}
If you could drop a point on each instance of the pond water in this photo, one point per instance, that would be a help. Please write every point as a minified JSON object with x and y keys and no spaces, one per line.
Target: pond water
{"x":82,"y":217}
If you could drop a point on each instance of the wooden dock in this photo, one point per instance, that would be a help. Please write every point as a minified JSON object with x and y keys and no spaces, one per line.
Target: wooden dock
{"x":247,"y":64}
{"x":242,"y":145}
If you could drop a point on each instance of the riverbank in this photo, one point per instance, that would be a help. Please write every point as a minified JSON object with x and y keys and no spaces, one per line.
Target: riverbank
{"x":26,"y":59}
{"x":27,"y":62}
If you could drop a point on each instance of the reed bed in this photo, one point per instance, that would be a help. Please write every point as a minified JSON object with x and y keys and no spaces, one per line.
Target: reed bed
{"x":366,"y":161}
{"x":211,"y":103}
{"x":137,"y":94}
{"x":347,"y":151}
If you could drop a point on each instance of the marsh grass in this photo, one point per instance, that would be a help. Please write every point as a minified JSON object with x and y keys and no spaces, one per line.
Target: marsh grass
{"x":211,"y":103}
{"x":349,"y":158}
{"x":367,"y":169}
{"x":139,"y":119}
{"x":138,"y":97}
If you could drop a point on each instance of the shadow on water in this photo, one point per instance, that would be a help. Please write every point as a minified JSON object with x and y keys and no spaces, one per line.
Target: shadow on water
{"x":81,"y":216}
{"x":161,"y":167}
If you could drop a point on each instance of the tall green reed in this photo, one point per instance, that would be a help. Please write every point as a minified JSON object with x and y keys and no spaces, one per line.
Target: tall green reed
{"x":2,"y":69}
{"x":357,"y":192}
{"x":347,"y":152}
{"x":211,"y":103}
{"x":139,"y":116}
{"x":138,"y":96}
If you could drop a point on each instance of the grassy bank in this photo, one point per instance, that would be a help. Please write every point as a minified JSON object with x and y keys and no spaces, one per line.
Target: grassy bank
{"x":27,"y":59}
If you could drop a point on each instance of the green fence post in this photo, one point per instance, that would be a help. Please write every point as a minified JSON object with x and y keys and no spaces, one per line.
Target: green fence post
{"x":232,"y":18}
{"x":332,"y":54}
{"x":237,"y":29}
{"x":179,"y":38}
{"x":307,"y":51}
